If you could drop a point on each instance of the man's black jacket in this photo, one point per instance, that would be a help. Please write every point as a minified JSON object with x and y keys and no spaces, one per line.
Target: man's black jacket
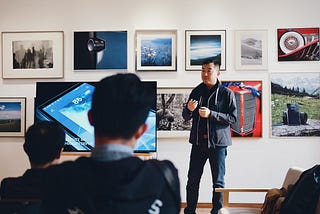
{"x":130,"y":185}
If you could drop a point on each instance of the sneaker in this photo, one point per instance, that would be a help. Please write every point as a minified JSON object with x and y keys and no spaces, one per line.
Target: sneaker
{"x":223,"y":211}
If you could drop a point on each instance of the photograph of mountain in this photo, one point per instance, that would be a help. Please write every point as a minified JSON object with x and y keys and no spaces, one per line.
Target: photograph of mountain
{"x":295,"y":103}
{"x":251,"y":50}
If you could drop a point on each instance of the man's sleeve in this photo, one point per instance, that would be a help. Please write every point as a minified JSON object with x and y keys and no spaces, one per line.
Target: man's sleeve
{"x":231,"y":116}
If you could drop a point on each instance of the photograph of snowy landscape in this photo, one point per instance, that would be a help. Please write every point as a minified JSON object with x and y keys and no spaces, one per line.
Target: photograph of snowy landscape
{"x":251,"y":50}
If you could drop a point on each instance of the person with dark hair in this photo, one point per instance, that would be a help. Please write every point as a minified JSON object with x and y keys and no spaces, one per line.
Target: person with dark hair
{"x":212,"y":109}
{"x":43,"y":144}
{"x":15,"y":62}
{"x":112,"y":180}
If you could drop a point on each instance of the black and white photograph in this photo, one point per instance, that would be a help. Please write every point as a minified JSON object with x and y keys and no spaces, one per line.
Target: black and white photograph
{"x":170,"y":103}
{"x":251,"y":50}
{"x":32,"y":54}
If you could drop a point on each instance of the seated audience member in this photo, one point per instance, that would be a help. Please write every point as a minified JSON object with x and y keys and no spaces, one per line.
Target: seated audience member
{"x":44,"y":142}
{"x":112,"y":180}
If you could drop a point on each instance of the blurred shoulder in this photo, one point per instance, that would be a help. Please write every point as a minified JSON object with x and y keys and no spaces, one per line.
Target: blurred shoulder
{"x":226,"y":89}
{"x":162,"y":164}
{"x":68,"y":166}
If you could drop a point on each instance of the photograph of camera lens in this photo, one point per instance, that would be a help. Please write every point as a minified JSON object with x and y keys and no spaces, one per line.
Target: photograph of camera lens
{"x":100,"y":50}
{"x":96,"y":44}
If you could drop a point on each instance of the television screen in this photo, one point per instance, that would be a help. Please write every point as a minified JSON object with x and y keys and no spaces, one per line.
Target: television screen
{"x":67,"y":103}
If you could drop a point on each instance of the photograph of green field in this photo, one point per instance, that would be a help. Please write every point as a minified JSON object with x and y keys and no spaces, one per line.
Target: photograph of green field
{"x":10,"y":125}
{"x":12,"y":116}
{"x":295,"y":103}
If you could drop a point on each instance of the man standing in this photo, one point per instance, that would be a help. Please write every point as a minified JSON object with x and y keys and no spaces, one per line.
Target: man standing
{"x":112,"y":180}
{"x":212,"y":109}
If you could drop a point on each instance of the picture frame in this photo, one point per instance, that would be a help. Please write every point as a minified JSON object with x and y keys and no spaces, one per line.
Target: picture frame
{"x":12,"y":116}
{"x":251,"y":50}
{"x":32,"y":54}
{"x":248,"y":94}
{"x":201,"y":45}
{"x":298,"y":44}
{"x":170,"y":103}
{"x":156,"y":50}
{"x":295,"y":104}
{"x":97,"y":50}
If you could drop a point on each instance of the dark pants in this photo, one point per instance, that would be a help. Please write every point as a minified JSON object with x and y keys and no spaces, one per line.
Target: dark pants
{"x":198,"y":158}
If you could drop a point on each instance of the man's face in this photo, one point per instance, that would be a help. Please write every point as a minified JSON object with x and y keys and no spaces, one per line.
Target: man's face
{"x":209,"y":74}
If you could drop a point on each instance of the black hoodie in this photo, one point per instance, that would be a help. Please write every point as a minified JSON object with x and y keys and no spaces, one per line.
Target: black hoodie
{"x":130,"y":185}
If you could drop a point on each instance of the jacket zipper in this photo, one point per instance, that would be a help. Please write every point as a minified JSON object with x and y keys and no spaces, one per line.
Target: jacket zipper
{"x":215,"y":103}
{"x":200,"y":103}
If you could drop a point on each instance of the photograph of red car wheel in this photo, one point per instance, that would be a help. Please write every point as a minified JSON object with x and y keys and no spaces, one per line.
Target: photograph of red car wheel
{"x":298,"y":44}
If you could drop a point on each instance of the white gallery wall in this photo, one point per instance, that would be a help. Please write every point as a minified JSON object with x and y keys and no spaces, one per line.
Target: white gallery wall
{"x":251,"y":162}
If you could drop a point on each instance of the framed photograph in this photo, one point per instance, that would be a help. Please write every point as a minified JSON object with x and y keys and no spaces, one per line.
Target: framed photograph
{"x":298,"y":44}
{"x":100,"y":50}
{"x":248,"y":95}
{"x":32,"y":54}
{"x":156,"y":50}
{"x":251,"y":50}
{"x":12,"y":116}
{"x":295,"y":104}
{"x":170,"y":103}
{"x":202,"y":45}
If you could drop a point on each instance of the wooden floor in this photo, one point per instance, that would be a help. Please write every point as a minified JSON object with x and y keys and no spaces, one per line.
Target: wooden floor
{"x":205,"y":208}
{"x":199,"y":210}
{"x":202,"y":208}
{"x":238,"y":210}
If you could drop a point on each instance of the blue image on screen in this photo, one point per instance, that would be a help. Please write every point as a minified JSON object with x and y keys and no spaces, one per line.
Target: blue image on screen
{"x":70,"y":109}
{"x":147,"y":142}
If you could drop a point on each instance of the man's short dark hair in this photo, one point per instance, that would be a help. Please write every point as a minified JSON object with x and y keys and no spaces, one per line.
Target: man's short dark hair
{"x":43,"y":142}
{"x":215,"y":62}
{"x":120,"y":105}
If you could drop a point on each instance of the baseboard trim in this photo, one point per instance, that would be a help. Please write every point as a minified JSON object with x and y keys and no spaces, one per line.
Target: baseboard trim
{"x":209,"y":205}
{"x":199,"y":205}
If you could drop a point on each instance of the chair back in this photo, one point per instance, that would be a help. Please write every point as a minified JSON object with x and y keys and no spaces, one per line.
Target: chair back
{"x":292,"y":176}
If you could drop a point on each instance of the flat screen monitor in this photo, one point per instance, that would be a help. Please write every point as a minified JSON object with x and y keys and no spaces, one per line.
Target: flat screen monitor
{"x":67,"y":103}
